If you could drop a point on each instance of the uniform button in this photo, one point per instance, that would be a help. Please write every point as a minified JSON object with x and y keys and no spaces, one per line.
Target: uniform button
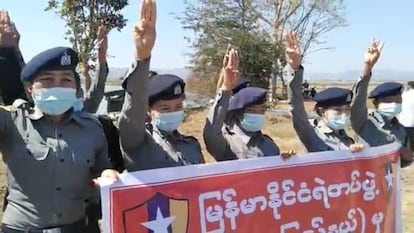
{"x":61,"y":160}
{"x":60,"y":135}
{"x":166,"y":157}
{"x":88,"y":161}
{"x":59,"y":215}
{"x":58,"y":188}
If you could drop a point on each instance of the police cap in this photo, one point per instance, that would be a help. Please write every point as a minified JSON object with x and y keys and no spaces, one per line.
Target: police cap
{"x":386,"y":89}
{"x":58,"y":58}
{"x":165,"y":87}
{"x":247,"y":97}
{"x":333,"y":96}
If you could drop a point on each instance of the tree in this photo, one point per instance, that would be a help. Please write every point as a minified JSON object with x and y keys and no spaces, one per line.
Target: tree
{"x":83,"y":18}
{"x":257,"y":27}
{"x":217,"y":23}
{"x":310,"y":19}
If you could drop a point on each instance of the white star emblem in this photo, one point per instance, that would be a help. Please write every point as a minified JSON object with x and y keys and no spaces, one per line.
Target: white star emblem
{"x":389,"y":177}
{"x":160,"y":224}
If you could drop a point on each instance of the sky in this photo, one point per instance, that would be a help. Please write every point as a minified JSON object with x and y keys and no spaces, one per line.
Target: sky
{"x":390,"y":21}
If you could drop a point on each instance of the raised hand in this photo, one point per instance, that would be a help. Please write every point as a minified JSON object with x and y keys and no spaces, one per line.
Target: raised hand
{"x":9,"y":36}
{"x":144,"y":30}
{"x":292,"y":51}
{"x":231,"y":70}
{"x":288,"y":154}
{"x":373,"y":53}
{"x":357,"y":147}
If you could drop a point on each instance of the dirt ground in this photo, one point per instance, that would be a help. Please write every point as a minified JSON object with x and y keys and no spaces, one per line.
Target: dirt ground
{"x":280,"y":129}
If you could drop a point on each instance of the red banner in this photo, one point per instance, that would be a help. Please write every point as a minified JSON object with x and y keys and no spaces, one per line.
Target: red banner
{"x":320,"y":192}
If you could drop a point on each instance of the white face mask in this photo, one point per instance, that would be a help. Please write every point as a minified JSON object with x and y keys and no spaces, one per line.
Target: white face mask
{"x":389,"y":110}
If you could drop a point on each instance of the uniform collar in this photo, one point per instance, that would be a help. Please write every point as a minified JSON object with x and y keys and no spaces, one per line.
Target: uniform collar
{"x":382,"y":121}
{"x":246,"y":137}
{"x":323,"y":127}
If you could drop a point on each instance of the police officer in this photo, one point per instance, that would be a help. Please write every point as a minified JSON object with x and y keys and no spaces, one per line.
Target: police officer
{"x":44,"y":146}
{"x":332,"y":105}
{"x":233,"y":126}
{"x":381,"y":126}
{"x":164,"y":95}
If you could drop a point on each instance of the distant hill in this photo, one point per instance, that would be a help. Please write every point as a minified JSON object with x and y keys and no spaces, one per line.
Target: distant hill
{"x":117,"y":73}
{"x":351,"y":75}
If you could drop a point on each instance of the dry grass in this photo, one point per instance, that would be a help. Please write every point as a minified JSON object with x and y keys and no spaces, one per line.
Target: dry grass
{"x":281,"y":130}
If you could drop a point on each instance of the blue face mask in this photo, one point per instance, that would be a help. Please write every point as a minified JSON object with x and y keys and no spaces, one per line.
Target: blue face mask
{"x":389,"y":110}
{"x":54,"y":101}
{"x":338,"y":122}
{"x":78,"y":105}
{"x":169,"y":121}
{"x":252,"y":122}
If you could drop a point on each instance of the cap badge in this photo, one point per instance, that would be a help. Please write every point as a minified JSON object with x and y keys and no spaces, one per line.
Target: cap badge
{"x":65,"y":60}
{"x":178,"y":90}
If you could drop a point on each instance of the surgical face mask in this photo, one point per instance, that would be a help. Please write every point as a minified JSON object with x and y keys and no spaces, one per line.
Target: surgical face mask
{"x":78,"y":105}
{"x":169,"y":121}
{"x":252,"y":122}
{"x":54,"y":101}
{"x":389,"y":110}
{"x":337,"y":122}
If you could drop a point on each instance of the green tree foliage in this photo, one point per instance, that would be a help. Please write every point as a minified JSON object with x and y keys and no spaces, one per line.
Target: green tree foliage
{"x":83,"y":17}
{"x":217,"y":23}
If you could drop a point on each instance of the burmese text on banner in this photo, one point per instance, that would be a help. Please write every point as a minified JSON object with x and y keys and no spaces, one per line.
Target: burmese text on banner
{"x":319,"y":192}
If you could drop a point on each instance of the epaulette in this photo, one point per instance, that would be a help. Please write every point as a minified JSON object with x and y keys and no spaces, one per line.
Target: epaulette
{"x":8,"y":108}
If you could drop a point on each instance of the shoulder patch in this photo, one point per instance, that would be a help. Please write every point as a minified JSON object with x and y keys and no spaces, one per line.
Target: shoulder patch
{"x":8,"y":108}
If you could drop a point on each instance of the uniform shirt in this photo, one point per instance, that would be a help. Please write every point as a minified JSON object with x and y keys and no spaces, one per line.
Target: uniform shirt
{"x":147,"y":149}
{"x":50,"y":167}
{"x":406,"y":117}
{"x":94,"y":96}
{"x":228,"y":142}
{"x":316,"y":136}
{"x":372,"y":128}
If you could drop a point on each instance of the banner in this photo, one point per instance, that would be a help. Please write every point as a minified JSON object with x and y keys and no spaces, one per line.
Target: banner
{"x":327,"y":192}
